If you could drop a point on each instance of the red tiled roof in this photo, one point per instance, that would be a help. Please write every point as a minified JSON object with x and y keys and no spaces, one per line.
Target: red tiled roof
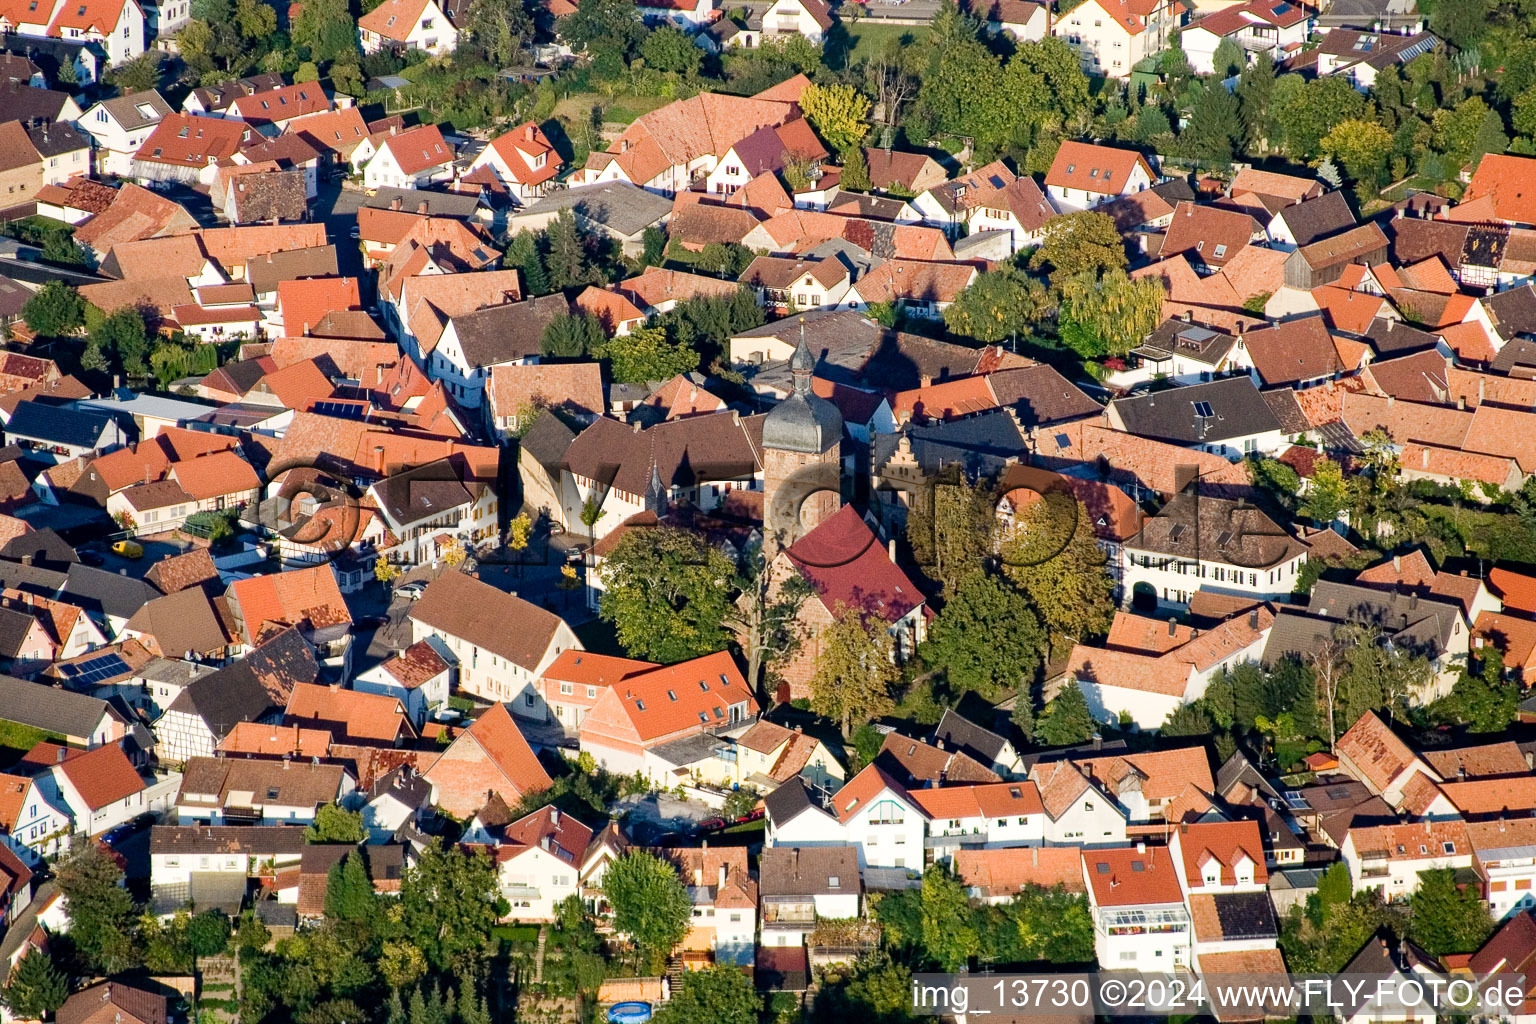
{"x":846,"y":565}
{"x":1006,"y":872}
{"x":193,"y":141}
{"x":102,"y":776}
{"x":1517,"y":591}
{"x":290,"y":597}
{"x":1227,"y":842}
{"x":212,"y":476}
{"x":1101,"y":169}
{"x":863,"y":788}
{"x":360,"y":716}
{"x":1124,"y":877}
{"x":421,"y":147}
{"x":586,"y":668}
{"x":1511,"y":182}
{"x":303,"y":303}
{"x":693,"y":694}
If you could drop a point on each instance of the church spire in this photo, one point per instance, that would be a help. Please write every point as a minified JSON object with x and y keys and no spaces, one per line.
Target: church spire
{"x":802,"y":364}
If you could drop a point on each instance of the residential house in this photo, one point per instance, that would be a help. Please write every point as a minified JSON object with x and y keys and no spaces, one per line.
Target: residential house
{"x":408,"y":25}
{"x":1272,"y":27}
{"x":809,"y":18}
{"x":495,"y":662}
{"x":1148,"y":669}
{"x":1084,"y":175}
{"x":119,"y":126}
{"x":186,"y":149}
{"x":981,"y":814}
{"x":689,"y":15}
{"x":272,"y":110}
{"x":1020,"y":209}
{"x":116,"y":27}
{"x":538,"y":863}
{"x":34,"y":823}
{"x":1111,"y":39}
{"x":985,"y":746}
{"x":251,"y":791}
{"x":1140,"y":920}
{"x":1361,"y":56}
{"x":474,"y":342}
{"x":769,"y":755}
{"x":414,"y":158}
{"x":998,"y":875}
{"x":1506,"y":863}
{"x":623,"y":471}
{"x":1078,"y":811}
{"x":101,"y":789}
{"x":799,"y":885}
{"x":1325,"y":261}
{"x":637,"y":721}
{"x":1309,"y":221}
{"x":882,"y":819}
{"x":1389,"y":858}
{"x":420,"y":677}
{"x":917,"y":288}
{"x":489,"y":759}
{"x":797,"y":284}
{"x":351,"y":716}
{"x":1371,"y":752}
{"x":1209,"y":236}
{"x":575,"y":680}
{"x":1224,"y":417}
{"x":75,"y":718}
{"x":901,"y":171}
{"x":188,"y":863}
{"x":914,"y":763}
{"x":53,"y":433}
{"x":724,"y":897}
{"x":399,"y":798}
{"x":615,"y":209}
{"x":254,"y":689}
{"x":516,"y":393}
{"x":522,"y":161}
{"x":433,"y":507}
{"x":1225,"y":882}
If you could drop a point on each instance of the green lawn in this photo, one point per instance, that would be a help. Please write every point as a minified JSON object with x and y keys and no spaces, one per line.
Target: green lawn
{"x":621,"y":109}
{"x":18,"y":738}
{"x":866,"y":39}
{"x":517,"y":933}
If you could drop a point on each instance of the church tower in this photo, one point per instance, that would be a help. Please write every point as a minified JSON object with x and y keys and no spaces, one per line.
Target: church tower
{"x":802,"y":459}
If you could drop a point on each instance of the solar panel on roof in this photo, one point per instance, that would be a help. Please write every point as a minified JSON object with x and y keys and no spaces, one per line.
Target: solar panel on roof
{"x":341,"y":410}
{"x":95,"y":670}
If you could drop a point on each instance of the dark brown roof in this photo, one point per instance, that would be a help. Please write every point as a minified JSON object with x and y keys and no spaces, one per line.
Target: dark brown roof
{"x":1226,"y":531}
{"x":504,"y":333}
{"x":1318,"y":218}
{"x":714,"y":446}
{"x":808,"y":871}
{"x":1041,"y":395}
{"x":464,"y":607}
{"x":1294,"y":351}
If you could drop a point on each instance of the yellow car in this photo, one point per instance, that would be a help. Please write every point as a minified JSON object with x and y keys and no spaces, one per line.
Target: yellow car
{"x":128,"y":549}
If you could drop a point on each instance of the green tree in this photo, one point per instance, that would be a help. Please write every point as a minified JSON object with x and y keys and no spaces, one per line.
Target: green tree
{"x":308,"y":71}
{"x":523,"y":253}
{"x":855,"y":670}
{"x":1077,"y":243}
{"x":951,"y":525}
{"x":100,"y":911}
{"x":604,"y":24}
{"x":255,"y":20}
{"x":54,"y":310}
{"x":138,"y":74}
{"x":1151,"y":123}
{"x":949,"y":928}
{"x":1255,"y":89}
{"x":572,"y":335}
{"x":1363,"y":147}
{"x":500,"y":28}
{"x":667,"y":593}
{"x":1454,"y":131}
{"x":987,"y":638}
{"x":566,"y":259}
{"x":1306,"y":112}
{"x":1328,"y":496}
{"x":1066,"y":720}
{"x":1483,"y":701}
{"x":645,"y":354}
{"x":1215,"y":129}
{"x":334,"y":824}
{"x":349,"y":894}
{"x":672,"y":50}
{"x":727,"y":259}
{"x":855,"y":175}
{"x":839,"y":113}
{"x":92,"y":359}
{"x":1111,"y":314}
{"x":448,"y":905}
{"x":326,"y":29}
{"x":1055,"y":560}
{"x":1446,"y":918}
{"x":650,"y":905}
{"x":36,"y":987}
{"x":655,"y":242}
{"x":208,"y":933}
{"x":124,"y":335}
{"x":720,"y":995}
{"x":998,"y":305}
{"x":1053,"y":925}
{"x":1228,"y":58}
{"x":1460,"y":22}
{"x":765,"y":617}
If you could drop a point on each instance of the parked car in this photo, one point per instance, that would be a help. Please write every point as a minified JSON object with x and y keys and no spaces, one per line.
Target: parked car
{"x":371,"y":621}
{"x":411,"y":591}
{"x":129,"y":549}
{"x":91,"y":556}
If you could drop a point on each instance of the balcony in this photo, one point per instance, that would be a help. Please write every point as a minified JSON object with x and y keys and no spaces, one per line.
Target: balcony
{"x":775,"y":912}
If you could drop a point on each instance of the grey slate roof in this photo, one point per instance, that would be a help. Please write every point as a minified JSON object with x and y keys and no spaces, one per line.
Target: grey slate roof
{"x":788,"y":800}
{"x":439,"y":204}
{"x":107,"y":592}
{"x":56,"y":139}
{"x":20,"y":101}
{"x":1516,"y":359}
{"x":1513,"y":311}
{"x":423,"y":492}
{"x":231,"y":695}
{"x":1390,"y":338}
{"x":548,"y":440}
{"x":125,"y":109}
{"x":1172,"y":415}
{"x":504,"y":333}
{"x":49,"y":708}
{"x":39,"y":421}
{"x":14,"y":627}
{"x":249,"y":839}
{"x":808,"y":871}
{"x":45,"y":547}
{"x":1313,"y":219}
{"x":264,"y":272}
{"x":1424,"y":625}
{"x":620,"y":207}
{"x":966,"y":736}
{"x":982,"y":444}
